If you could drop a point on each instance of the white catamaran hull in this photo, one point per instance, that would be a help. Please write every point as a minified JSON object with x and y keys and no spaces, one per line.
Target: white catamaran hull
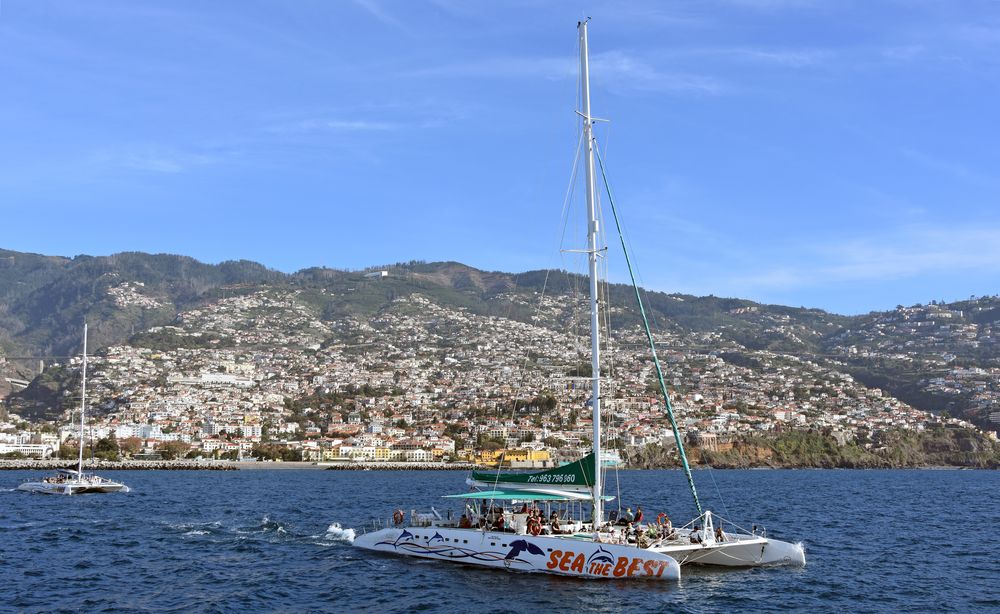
{"x":46,"y":488}
{"x":562,"y":555}
{"x":740,"y":551}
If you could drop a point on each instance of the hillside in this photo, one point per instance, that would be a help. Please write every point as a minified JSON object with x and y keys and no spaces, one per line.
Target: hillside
{"x":934,"y":357}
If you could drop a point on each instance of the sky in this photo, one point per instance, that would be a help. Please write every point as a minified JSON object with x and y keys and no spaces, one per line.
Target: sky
{"x":841,"y":155}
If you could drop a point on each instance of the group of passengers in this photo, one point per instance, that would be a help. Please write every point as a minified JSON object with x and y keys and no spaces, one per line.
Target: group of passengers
{"x":630,"y":529}
{"x":491,"y":518}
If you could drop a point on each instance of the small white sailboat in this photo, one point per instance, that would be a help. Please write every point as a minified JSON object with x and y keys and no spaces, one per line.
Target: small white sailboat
{"x":553,"y":521}
{"x":75,"y":481}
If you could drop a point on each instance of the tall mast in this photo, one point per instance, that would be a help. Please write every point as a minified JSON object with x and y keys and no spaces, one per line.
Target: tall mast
{"x":83,"y":398}
{"x":595,"y":333}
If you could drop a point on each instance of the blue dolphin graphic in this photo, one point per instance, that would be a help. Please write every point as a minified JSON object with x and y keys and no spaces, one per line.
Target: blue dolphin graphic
{"x":601,"y":555}
{"x":519,"y":546}
{"x":437,"y":536}
{"x":405,"y":534}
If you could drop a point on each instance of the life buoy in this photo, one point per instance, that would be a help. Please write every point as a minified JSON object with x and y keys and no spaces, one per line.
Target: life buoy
{"x":397,"y":517}
{"x":661,"y":517}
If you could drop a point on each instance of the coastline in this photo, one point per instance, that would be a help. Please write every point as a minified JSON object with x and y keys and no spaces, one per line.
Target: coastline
{"x":191,"y":465}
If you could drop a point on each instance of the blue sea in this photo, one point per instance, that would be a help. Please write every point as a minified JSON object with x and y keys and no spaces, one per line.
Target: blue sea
{"x":279,"y":541}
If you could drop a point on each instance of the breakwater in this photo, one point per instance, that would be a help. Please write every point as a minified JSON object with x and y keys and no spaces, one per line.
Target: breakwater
{"x":129,"y":465}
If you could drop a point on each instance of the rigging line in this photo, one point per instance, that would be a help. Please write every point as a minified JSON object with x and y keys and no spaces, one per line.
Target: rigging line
{"x":711,"y":474}
{"x":649,"y":336}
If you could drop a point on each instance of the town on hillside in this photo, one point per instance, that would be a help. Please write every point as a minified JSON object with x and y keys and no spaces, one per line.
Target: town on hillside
{"x":259,"y":375}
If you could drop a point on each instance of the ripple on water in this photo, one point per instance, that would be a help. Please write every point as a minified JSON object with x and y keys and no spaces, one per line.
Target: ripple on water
{"x":281,"y":541}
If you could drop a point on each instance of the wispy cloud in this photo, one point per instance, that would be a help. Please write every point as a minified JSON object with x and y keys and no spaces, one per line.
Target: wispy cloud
{"x":344,"y":125}
{"x":152,"y":158}
{"x":773,"y":5}
{"x":321,"y":123}
{"x":949,"y":167}
{"x":618,"y":69}
{"x":908,"y":253}
{"x":789,"y":58}
{"x":376,"y":10}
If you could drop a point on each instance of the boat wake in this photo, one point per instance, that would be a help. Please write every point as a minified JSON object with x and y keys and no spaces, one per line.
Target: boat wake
{"x":266,"y":530}
{"x":340,"y":534}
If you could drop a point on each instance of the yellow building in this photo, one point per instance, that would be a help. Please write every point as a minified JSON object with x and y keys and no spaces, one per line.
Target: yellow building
{"x":519,"y":457}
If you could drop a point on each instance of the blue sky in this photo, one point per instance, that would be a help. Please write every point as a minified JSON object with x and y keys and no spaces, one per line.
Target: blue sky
{"x":841,"y":155}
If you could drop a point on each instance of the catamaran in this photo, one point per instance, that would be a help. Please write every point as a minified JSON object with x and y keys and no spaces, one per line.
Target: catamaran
{"x":75,"y":481}
{"x":553,"y":521}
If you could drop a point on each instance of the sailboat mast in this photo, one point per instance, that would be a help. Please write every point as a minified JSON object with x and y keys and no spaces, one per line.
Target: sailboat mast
{"x":595,"y":333}
{"x":83,"y":398}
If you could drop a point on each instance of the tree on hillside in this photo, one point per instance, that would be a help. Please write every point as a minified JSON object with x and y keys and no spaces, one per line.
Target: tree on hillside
{"x":173,"y":449}
{"x":106,"y":448}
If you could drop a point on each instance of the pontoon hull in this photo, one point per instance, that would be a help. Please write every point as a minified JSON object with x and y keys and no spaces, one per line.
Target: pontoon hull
{"x":562,"y":555}
{"x":741,"y":551}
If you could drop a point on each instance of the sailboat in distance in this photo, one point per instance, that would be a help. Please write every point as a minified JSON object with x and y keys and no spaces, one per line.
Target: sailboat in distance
{"x":75,"y":481}
{"x":553,"y":521}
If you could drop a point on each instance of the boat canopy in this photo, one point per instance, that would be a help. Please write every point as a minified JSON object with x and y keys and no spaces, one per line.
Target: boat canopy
{"x":524,"y":495}
{"x":508,"y":495}
{"x":68,"y":471}
{"x":577,"y":473}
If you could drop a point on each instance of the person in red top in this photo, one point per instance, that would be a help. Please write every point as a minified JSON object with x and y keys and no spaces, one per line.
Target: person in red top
{"x":638,"y":514}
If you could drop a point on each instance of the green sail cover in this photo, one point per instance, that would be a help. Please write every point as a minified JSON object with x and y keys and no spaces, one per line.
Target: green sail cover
{"x":577,"y":473}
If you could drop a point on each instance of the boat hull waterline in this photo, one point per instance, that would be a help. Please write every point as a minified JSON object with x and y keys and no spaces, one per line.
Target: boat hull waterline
{"x":561,"y":555}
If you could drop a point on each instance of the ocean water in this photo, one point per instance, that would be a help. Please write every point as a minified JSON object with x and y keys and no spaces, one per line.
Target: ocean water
{"x":279,"y":541}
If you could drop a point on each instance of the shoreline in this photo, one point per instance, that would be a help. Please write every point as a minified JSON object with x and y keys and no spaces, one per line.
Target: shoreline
{"x":192,"y":465}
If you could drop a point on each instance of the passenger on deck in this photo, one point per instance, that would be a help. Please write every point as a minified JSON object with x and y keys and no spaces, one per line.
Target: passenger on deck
{"x":464,"y":522}
{"x":524,"y":508}
{"x":638,"y":514}
{"x":642,"y":539}
{"x":556,"y":529}
{"x":720,"y":536}
{"x":499,"y":524}
{"x":696,"y":535}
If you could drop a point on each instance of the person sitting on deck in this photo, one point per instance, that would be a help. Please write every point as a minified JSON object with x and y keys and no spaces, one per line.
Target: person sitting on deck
{"x":464,"y":522}
{"x":626,"y":518}
{"x":642,"y":539}
{"x":499,"y":524}
{"x":696,"y":535}
{"x":720,"y":536}
{"x":554,"y":522}
{"x":524,"y":508}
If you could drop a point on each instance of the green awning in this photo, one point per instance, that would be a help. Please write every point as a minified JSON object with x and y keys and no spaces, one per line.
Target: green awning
{"x":577,"y":473}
